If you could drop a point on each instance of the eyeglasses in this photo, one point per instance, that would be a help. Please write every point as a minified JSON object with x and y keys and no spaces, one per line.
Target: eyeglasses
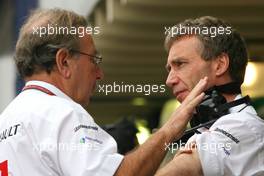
{"x":96,"y":59}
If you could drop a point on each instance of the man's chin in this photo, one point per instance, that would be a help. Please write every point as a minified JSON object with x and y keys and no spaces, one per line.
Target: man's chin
{"x":181,"y":97}
{"x":180,"y":100}
{"x":85,"y":103}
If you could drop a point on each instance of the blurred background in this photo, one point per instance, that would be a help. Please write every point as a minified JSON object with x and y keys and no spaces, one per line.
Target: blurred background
{"x":131,"y":42}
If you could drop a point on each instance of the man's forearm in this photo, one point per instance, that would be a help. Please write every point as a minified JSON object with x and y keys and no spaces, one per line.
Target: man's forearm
{"x":146,"y":159}
{"x":185,"y":164}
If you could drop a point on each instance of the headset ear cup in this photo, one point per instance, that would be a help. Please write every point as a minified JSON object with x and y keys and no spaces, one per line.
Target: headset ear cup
{"x":195,"y":121}
{"x":206,"y":110}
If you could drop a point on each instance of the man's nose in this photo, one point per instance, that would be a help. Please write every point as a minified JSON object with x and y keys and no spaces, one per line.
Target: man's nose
{"x":172,"y":79}
{"x":100,"y":73}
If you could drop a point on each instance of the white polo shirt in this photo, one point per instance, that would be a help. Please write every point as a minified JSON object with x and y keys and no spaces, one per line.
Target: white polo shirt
{"x":234,"y":145}
{"x":41,"y":134}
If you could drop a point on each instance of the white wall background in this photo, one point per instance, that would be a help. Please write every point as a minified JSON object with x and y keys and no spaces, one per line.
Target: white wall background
{"x":83,"y":7}
{"x":7,"y":77}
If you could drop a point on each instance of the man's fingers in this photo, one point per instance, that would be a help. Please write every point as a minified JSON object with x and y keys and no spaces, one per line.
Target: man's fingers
{"x":183,"y":114}
{"x":195,"y":102}
{"x":197,"y":90}
{"x":189,"y":108}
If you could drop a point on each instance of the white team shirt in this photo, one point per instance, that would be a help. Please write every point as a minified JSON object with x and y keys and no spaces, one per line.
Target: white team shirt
{"x":234,"y":144}
{"x":44,"y":135}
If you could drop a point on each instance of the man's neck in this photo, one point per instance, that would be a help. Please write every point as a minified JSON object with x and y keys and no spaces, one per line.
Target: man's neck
{"x":230,"y":97}
{"x":48,"y":78}
{"x":224,"y":80}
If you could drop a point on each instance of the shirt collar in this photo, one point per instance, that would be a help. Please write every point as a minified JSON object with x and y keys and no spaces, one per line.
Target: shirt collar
{"x":248,"y":108}
{"x":50,"y":87}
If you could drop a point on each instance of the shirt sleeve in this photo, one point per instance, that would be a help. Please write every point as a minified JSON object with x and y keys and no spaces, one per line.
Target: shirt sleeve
{"x":83,"y":148}
{"x":211,"y":158}
{"x":230,"y":147}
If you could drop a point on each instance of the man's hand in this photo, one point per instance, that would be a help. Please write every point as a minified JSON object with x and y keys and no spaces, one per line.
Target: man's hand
{"x":179,"y":119}
{"x":146,"y":159}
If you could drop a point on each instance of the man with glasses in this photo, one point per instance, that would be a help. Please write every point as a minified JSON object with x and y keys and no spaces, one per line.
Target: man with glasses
{"x":46,"y":131}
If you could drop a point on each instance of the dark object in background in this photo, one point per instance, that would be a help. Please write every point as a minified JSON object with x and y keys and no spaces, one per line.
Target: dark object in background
{"x":124,"y":132}
{"x":258,"y":104}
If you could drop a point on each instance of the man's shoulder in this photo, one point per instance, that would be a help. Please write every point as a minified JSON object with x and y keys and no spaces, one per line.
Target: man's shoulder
{"x":227,"y":137}
{"x":39,"y":107}
{"x":248,"y":115}
{"x":244,"y":122}
{"x":51,"y":103}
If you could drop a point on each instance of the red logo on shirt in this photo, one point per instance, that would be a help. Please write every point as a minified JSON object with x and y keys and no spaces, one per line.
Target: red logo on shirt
{"x":3,"y":169}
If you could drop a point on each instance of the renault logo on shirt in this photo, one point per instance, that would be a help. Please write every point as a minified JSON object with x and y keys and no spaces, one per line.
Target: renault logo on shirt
{"x":11,"y":131}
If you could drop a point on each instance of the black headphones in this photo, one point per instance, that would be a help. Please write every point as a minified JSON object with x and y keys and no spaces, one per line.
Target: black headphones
{"x":214,"y":106}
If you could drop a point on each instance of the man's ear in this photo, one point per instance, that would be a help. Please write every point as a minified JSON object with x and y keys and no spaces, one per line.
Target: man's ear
{"x":221,"y":64}
{"x":62,"y":62}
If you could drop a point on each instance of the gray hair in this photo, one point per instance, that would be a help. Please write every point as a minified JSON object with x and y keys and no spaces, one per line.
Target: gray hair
{"x":36,"y":53}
